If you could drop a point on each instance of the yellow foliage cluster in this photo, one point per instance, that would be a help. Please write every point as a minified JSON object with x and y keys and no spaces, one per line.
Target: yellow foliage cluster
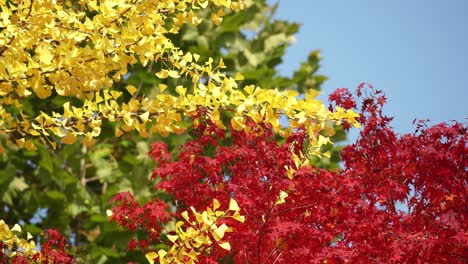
{"x":80,"y":48}
{"x":196,"y":236}
{"x":11,"y":245}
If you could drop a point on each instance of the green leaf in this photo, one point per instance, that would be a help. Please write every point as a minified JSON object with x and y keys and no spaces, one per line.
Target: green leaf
{"x":46,"y":162}
{"x":56,"y":195}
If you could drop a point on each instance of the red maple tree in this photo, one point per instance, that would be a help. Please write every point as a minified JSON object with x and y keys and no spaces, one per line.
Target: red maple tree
{"x":398,"y":198}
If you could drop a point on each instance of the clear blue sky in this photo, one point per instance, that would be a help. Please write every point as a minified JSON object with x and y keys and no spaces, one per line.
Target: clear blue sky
{"x":416,"y":51}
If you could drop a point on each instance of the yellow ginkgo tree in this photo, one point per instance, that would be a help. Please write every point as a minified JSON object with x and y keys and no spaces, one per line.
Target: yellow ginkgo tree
{"x":78,"y":49}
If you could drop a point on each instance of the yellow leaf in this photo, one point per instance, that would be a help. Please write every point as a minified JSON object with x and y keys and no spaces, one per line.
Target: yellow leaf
{"x":323,"y":140}
{"x":115,"y":94}
{"x":203,"y":3}
{"x":184,"y":214}
{"x":151,"y":256}
{"x":96,"y":131}
{"x":221,"y":12}
{"x":53,"y":144}
{"x":281,"y":198}
{"x":237,"y":122}
{"x":311,"y":93}
{"x":181,"y":90}
{"x":237,"y":216}
{"x":118,"y":132}
{"x":92,"y":5}
{"x":217,"y":20}
{"x":218,"y":233}
{"x":107,"y":96}
{"x":162,"y":87}
{"x":216,"y":204}
{"x":163,"y":74}
{"x":144,"y":117}
{"x":172,"y":238}
{"x":239,"y":77}
{"x":29,"y":145}
{"x":20,"y":142}
{"x":193,"y":255}
{"x":128,"y":120}
{"x":16,"y":228}
{"x":249,"y":89}
{"x":221,"y":63}
{"x":162,"y":253}
{"x":173,"y":74}
{"x":131,"y":89}
{"x":44,"y":53}
{"x":69,"y":139}
{"x":290,"y":172}
{"x":188,"y":57}
{"x":98,"y":98}
{"x":233,"y":206}
{"x":89,"y":140}
{"x":225,"y":245}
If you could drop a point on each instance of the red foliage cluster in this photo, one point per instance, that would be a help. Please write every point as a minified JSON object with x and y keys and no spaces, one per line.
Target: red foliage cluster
{"x":410,"y":192}
{"x":399,"y":199}
{"x":52,"y":251}
{"x":149,"y":217}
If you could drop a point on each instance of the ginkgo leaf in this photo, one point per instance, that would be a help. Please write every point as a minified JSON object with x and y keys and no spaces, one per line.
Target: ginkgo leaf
{"x":69,"y":139}
{"x":181,"y":90}
{"x":89,"y":140}
{"x":281,"y":198}
{"x":225,"y":245}
{"x":173,"y":74}
{"x":29,"y":145}
{"x":163,"y":74}
{"x":96,"y":131}
{"x":193,"y":255}
{"x":44,"y":53}
{"x":233,"y":206}
{"x":172,"y":238}
{"x":237,"y":216}
{"x":239,"y":77}
{"x":216,"y":204}
{"x":203,"y":3}
{"x":115,"y":94}
{"x":118,"y":132}
{"x":16,"y":228}
{"x":151,"y":256}
{"x":237,"y":123}
{"x":131,"y":89}
{"x":162,"y":87}
{"x":144,"y":117}
{"x":218,"y":233}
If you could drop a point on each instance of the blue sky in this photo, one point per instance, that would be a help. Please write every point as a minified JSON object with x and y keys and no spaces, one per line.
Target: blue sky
{"x":416,"y":51}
